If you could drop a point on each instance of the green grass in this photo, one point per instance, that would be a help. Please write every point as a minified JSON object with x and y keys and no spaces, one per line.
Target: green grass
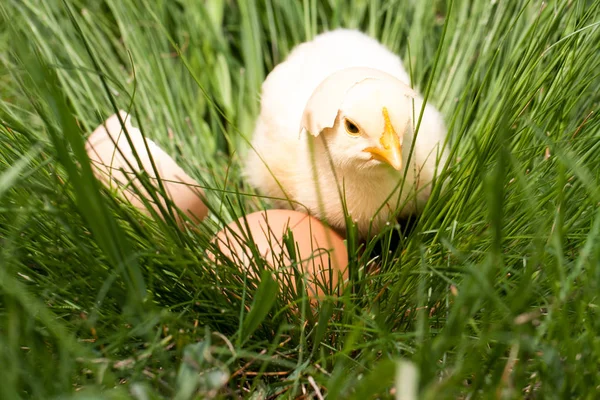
{"x":494,"y":294}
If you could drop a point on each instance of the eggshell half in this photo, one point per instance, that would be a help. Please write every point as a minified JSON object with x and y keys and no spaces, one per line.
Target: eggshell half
{"x":320,"y":252}
{"x":111,"y":167}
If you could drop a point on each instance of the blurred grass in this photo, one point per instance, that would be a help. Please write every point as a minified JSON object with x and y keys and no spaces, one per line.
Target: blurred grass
{"x":494,"y":294}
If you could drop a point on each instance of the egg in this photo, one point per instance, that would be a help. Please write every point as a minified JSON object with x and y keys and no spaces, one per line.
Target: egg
{"x":110,"y":152}
{"x":320,"y":252}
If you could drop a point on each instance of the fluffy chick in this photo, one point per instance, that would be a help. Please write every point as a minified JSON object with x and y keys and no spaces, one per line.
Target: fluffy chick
{"x":335,"y":131}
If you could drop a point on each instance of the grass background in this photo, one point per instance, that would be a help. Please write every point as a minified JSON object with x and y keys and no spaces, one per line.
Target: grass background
{"x":494,"y":293}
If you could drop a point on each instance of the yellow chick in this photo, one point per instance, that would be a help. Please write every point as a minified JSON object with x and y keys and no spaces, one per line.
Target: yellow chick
{"x":335,"y":131}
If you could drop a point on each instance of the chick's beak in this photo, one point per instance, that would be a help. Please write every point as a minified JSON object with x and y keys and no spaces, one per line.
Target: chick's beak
{"x":390,"y":150}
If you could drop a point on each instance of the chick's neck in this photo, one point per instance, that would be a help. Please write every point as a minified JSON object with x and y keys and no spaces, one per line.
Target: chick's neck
{"x":353,"y":175}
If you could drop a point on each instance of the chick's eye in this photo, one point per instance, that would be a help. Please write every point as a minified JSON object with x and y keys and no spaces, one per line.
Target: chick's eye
{"x":351,"y":127}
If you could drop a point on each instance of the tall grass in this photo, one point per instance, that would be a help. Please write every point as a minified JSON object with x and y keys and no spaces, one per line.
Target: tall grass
{"x":493,"y":293}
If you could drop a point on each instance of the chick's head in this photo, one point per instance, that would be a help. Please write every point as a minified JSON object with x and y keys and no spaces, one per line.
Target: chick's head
{"x":363,"y":115}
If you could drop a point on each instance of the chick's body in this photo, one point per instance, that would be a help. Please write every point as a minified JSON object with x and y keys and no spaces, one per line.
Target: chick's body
{"x":312,"y":170}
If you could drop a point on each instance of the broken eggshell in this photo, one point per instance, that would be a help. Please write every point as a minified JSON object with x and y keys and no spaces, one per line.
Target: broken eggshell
{"x":320,"y":253}
{"x":110,"y":153}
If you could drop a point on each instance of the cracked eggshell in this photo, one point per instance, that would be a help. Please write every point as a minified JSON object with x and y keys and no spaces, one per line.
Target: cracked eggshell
{"x":320,"y":251}
{"x":110,"y":153}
